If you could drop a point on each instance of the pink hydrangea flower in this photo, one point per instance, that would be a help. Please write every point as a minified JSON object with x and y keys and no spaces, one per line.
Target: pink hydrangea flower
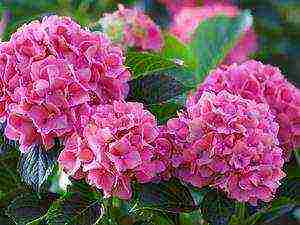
{"x":132,"y":28}
{"x":212,"y":2}
{"x":51,"y":70}
{"x":174,"y":6}
{"x":263,"y":84}
{"x":118,"y":145}
{"x":231,"y":143}
{"x":189,"y":18}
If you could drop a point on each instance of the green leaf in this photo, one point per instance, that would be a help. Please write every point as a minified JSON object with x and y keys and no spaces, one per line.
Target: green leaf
{"x":276,"y":209}
{"x":36,"y":166}
{"x":9,"y":177}
{"x":75,"y":209}
{"x":29,"y":208}
{"x":216,"y":208}
{"x":142,"y":64}
{"x":154,"y":218}
{"x":176,"y":50}
{"x":171,"y":196}
{"x":290,"y":188}
{"x":6,"y":220}
{"x":145,"y":63}
{"x":194,"y":218}
{"x":157,"y":88}
{"x":168,"y":109}
{"x":6,"y":145}
{"x":214,"y":38}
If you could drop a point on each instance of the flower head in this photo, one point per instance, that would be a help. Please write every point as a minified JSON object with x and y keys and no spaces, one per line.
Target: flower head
{"x":117,"y":146}
{"x":174,"y":6}
{"x":49,"y":71}
{"x":231,"y":143}
{"x":132,"y":28}
{"x":263,"y":84}
{"x":188,"y":19}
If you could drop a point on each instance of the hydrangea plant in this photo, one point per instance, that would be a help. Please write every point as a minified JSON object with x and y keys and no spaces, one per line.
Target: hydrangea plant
{"x":122,"y":121}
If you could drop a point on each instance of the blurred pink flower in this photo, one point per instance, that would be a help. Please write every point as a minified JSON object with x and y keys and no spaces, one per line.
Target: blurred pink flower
{"x":231,"y":143}
{"x":263,"y":84}
{"x":174,"y":6}
{"x":132,"y":28}
{"x":52,"y":70}
{"x":118,"y":145}
{"x":188,"y":19}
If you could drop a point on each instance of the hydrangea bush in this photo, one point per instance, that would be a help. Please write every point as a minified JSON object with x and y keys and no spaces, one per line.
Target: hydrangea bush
{"x":93,"y":108}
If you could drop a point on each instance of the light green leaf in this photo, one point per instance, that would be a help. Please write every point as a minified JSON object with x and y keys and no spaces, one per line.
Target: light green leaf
{"x":214,"y":38}
{"x":176,"y":50}
{"x":144,"y":63}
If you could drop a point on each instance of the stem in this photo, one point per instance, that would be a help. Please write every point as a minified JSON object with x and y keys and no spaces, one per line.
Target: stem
{"x":241,"y":211}
{"x":176,"y":219}
{"x":37,"y":221}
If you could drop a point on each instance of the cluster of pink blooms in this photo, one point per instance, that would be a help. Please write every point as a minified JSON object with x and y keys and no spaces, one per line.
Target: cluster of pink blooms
{"x":175,"y":6}
{"x":132,"y":28}
{"x":188,"y":19}
{"x":230,"y":143}
{"x":118,"y":145}
{"x":51,"y":70}
{"x":263,"y":84}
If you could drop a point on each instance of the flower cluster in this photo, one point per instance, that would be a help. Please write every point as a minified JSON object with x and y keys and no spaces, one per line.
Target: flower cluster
{"x":263,"y":84}
{"x":231,"y":143}
{"x":188,"y":19}
{"x":117,"y":146}
{"x":51,"y":69}
{"x":132,"y":28}
{"x":174,"y":6}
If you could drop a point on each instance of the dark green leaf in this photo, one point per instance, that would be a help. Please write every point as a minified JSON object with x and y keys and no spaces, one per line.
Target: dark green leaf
{"x":278,"y":208}
{"x":194,"y":218}
{"x":157,"y":88}
{"x":167,"y":110}
{"x":36,"y":166}
{"x":216,"y":208}
{"x":214,"y":38}
{"x":74,"y":209}
{"x":154,"y":218}
{"x":291,"y":188}
{"x":4,"y":220}
{"x":29,"y":208}
{"x":171,"y":196}
{"x":9,"y":177}
{"x":6,"y":145}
